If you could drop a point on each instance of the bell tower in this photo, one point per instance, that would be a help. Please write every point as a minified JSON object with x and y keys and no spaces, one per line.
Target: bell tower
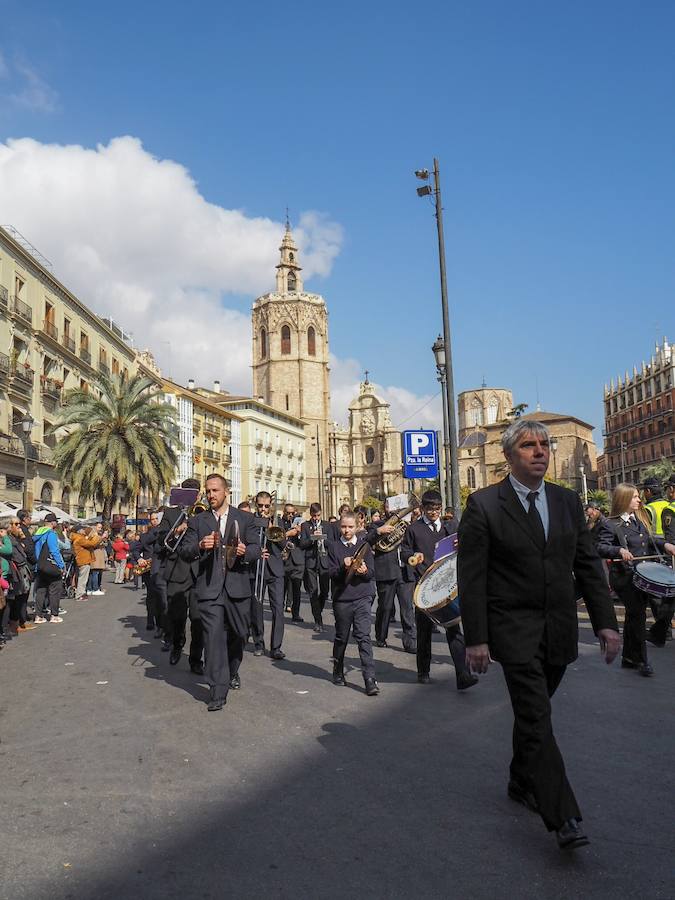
{"x":290,"y":360}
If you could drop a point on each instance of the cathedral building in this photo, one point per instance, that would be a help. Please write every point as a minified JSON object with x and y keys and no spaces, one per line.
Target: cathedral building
{"x":290,"y":360}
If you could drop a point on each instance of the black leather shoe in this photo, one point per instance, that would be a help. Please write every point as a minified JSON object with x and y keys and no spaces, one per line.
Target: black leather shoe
{"x":570,"y":835}
{"x":372,"y":688}
{"x":215,"y":705}
{"x":318,"y":628}
{"x":381,"y":644}
{"x":277,"y":654}
{"x":259,"y":651}
{"x":628,"y":663}
{"x":197,"y":668}
{"x":655,"y":641}
{"x":646,"y":670}
{"x":423,"y":679}
{"x":235,"y":682}
{"x":338,"y":674}
{"x":166,"y":646}
{"x":297,"y":619}
{"x":520,"y":794}
{"x":158,"y":632}
{"x":175,"y":656}
{"x":466,"y":680}
{"x":411,"y":648}
{"x":150,"y":626}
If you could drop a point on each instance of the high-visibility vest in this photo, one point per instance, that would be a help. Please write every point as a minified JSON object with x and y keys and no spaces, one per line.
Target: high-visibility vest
{"x":655,"y":509}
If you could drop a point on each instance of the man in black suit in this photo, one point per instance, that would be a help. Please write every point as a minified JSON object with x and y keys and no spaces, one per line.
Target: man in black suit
{"x":520,"y":544}
{"x":313,"y":536}
{"x":294,"y":563}
{"x":417,"y":550}
{"x":269,"y":576}
{"x":223,"y":593}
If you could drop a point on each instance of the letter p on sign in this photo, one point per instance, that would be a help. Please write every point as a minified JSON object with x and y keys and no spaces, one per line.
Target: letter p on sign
{"x":418,"y":442}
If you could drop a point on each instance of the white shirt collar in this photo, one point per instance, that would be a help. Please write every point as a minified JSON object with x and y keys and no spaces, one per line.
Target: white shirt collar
{"x":349,"y":543}
{"x":435,"y":525}
{"x":523,"y":490}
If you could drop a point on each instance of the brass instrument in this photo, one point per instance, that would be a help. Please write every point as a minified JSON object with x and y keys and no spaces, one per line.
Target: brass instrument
{"x":271,"y":533}
{"x":357,"y":559}
{"x":172,"y":540}
{"x":388,"y":542}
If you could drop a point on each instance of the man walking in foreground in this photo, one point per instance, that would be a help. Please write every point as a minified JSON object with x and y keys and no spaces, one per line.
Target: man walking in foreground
{"x":520,"y":544}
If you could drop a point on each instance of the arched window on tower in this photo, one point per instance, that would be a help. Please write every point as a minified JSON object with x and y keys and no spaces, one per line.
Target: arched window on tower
{"x":471,"y":478}
{"x":263,"y":344}
{"x":370,"y":456}
{"x":311,"y":341}
{"x":285,"y":339}
{"x":492,"y":411}
{"x":291,"y":281}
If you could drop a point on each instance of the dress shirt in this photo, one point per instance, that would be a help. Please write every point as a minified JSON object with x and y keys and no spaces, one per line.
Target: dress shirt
{"x":222,"y":521}
{"x":541,"y":503}
{"x":435,"y":526}
{"x":349,"y":543}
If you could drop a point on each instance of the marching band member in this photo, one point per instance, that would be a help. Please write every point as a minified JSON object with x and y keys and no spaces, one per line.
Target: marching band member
{"x":313,"y":537}
{"x":270,"y":575}
{"x":294,"y":563}
{"x":223,"y":593}
{"x":417,"y":550}
{"x":352,"y":600}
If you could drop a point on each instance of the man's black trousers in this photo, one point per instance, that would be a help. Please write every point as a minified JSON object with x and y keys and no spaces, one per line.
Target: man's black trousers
{"x":455,"y":640}
{"x":354,"y":614}
{"x":537,"y":763}
{"x":386,"y":591}
{"x":226,"y":624}
{"x":275,"y":592}
{"x":182,"y":603}
{"x":317,"y":586}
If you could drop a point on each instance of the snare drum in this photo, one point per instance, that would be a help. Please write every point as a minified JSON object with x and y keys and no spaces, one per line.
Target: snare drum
{"x":436,"y":592}
{"x":656,"y":579}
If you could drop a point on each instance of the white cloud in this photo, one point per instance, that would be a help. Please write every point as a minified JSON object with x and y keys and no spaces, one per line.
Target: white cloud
{"x":132,"y":236}
{"x":25,"y":87}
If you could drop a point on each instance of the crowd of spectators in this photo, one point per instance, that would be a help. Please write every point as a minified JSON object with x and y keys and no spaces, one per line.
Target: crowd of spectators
{"x":43,"y":564}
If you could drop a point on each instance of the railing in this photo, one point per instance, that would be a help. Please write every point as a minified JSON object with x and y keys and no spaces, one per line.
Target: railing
{"x":50,"y":330}
{"x":211,"y":429}
{"x":85,"y":355}
{"x":50,"y":388}
{"x":4,"y":296}
{"x":209,"y":454}
{"x":258,"y":443}
{"x":4,"y":365}
{"x":104,"y":369}
{"x":69,"y":343}
{"x":13,"y":445}
{"x":22,"y":310}
{"x":23,"y":374}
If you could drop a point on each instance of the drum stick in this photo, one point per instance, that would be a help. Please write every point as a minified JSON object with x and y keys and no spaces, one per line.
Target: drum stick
{"x":634,"y":559}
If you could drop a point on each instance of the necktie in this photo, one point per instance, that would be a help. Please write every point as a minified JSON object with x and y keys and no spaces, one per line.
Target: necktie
{"x":535,"y":519}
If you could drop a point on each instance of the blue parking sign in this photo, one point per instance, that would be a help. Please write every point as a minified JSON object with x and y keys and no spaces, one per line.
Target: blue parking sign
{"x":420,"y":454}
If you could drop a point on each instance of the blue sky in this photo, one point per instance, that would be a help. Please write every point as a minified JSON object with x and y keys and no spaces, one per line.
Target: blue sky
{"x":553,"y":124}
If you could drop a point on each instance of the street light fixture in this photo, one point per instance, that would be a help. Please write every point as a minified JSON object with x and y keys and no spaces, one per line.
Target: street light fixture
{"x":554,"y":447}
{"x":438,"y":350}
{"x":27,"y":423}
{"x":453,"y":498}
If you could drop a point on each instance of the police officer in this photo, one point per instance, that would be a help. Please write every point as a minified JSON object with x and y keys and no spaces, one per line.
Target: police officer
{"x":662,"y":631}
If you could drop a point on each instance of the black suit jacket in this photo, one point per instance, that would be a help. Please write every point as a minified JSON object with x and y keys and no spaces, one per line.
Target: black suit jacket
{"x":275,"y":565}
{"x":515,"y":593}
{"x":210,"y":570}
{"x":614,"y":534}
{"x":314,"y":559}
{"x":419,"y":538}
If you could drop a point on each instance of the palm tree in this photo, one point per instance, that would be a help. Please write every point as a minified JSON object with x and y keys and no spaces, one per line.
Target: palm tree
{"x":119,"y":443}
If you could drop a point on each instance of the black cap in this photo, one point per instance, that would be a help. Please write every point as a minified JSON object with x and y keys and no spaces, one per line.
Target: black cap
{"x":652,"y":483}
{"x":22,"y":513}
{"x":432,"y":498}
{"x":50,"y":517}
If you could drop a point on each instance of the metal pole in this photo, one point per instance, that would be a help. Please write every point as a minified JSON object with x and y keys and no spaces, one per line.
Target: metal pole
{"x":555,"y":466}
{"x":318,"y":469}
{"x":449,"y":492}
{"x":25,"y":472}
{"x":584,"y":483}
{"x":449,"y":379}
{"x":623,"y":464}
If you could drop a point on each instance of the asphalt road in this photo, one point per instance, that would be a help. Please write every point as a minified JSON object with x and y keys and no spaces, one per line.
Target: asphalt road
{"x":117,"y":783}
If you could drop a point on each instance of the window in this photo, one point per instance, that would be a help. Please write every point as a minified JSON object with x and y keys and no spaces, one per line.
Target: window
{"x":287,"y":403}
{"x":115,"y":367}
{"x":14,"y":483}
{"x":476,"y":413}
{"x":263,"y":344}
{"x":46,"y":493}
{"x":370,"y":456}
{"x":471,"y":477}
{"x":292,"y":283}
{"x":285,"y":339}
{"x":311,"y":341}
{"x":493,"y":408}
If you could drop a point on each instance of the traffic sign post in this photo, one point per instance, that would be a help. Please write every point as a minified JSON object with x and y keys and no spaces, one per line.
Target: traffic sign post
{"x":420,"y":454}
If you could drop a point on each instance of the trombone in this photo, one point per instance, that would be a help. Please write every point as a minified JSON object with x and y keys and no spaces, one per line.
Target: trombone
{"x":171,"y":539}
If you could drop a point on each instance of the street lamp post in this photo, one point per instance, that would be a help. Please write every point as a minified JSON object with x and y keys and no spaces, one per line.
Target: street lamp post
{"x":26,"y":427}
{"x":624,"y":447}
{"x":449,"y":405}
{"x":584,"y":483}
{"x":439,"y":355}
{"x":554,"y":447}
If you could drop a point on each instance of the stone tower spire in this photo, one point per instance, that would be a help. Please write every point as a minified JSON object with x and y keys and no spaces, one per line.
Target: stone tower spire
{"x":289,"y":279}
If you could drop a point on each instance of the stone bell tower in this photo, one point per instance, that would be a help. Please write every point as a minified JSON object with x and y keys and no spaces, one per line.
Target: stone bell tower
{"x":290,"y":360}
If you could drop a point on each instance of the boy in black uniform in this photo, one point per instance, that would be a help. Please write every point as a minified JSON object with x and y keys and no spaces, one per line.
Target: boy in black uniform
{"x":352,"y":600}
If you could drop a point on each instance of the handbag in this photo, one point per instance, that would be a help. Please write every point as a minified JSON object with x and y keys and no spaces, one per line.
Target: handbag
{"x":45,"y":564}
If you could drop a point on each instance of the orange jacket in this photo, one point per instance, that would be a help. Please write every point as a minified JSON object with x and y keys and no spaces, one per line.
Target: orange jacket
{"x":83,"y":547}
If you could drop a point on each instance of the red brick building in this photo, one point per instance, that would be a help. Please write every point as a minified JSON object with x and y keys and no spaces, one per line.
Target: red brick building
{"x":639,"y":426}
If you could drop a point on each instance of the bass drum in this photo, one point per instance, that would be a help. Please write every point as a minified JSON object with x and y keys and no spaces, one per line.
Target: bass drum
{"x":436,"y":592}
{"x":656,"y":579}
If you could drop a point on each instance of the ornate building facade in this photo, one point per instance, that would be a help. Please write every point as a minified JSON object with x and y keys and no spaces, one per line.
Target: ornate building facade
{"x":290,"y":360}
{"x":365,"y":457}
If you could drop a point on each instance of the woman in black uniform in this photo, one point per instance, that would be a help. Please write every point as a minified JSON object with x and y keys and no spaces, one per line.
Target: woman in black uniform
{"x":624,"y":536}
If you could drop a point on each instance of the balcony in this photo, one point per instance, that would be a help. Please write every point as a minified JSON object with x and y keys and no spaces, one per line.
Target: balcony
{"x":258,"y":443}
{"x":50,"y":388}
{"x":210,"y":428}
{"x":268,"y":446}
{"x":104,"y":369}
{"x":301,"y":476}
{"x":291,"y":476}
{"x":13,"y":445}
{"x":50,"y":329}
{"x":4,"y":297}
{"x":212,"y":455}
{"x":196,"y":427}
{"x":278,"y":450}
{"x":268,"y":470}
{"x":258,"y":468}
{"x":69,"y":343}
{"x":85,"y":355}
{"x":301,"y":454}
{"x":290,"y":453}
{"x":4,"y":367}
{"x":22,"y":310}
{"x":22,"y":378}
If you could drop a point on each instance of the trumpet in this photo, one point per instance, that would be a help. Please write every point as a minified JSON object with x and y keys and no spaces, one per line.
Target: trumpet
{"x":172,"y":540}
